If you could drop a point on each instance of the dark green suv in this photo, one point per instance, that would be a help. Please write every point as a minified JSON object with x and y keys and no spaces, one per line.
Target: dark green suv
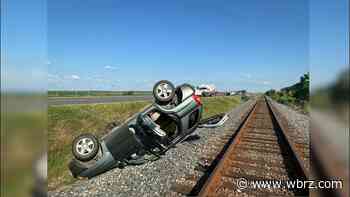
{"x":173,"y":116}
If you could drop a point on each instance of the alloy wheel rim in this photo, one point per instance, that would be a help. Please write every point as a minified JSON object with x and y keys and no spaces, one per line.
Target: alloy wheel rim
{"x":164,"y":90}
{"x":85,"y":146}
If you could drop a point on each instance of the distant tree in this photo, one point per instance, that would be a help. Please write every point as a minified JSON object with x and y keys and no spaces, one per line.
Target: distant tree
{"x":128,"y":93}
{"x":302,"y":91}
{"x":294,"y":94}
{"x":339,"y":91}
{"x":270,"y":92}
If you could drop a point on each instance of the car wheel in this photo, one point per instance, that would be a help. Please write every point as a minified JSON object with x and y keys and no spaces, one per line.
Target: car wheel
{"x":85,"y":147}
{"x":163,"y":91}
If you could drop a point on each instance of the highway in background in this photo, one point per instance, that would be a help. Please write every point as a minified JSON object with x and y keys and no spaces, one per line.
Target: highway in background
{"x":95,"y":100}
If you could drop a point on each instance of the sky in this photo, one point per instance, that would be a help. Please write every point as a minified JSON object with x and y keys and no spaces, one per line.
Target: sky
{"x":129,"y":45}
{"x":329,"y":41}
{"x":23,"y":45}
{"x":254,"y":45}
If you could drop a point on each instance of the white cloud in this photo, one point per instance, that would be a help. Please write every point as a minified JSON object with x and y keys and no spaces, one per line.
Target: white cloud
{"x":261,"y":82}
{"x":257,"y":81}
{"x":76,"y":77}
{"x":100,"y":80}
{"x":246,"y":75}
{"x":248,"y":78}
{"x":53,"y":78}
{"x":110,"y":67}
{"x":58,"y":78}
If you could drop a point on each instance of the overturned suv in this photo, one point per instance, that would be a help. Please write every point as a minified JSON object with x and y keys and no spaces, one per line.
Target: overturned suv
{"x":173,"y":116}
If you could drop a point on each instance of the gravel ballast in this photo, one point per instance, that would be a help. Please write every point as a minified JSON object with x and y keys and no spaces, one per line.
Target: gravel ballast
{"x":153,"y":178}
{"x":298,"y":122}
{"x":298,"y":131}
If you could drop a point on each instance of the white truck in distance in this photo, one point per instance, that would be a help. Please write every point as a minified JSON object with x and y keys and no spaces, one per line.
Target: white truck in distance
{"x":206,"y":90}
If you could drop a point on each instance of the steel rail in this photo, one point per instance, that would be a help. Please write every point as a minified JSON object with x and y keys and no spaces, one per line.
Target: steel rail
{"x":213,"y":182}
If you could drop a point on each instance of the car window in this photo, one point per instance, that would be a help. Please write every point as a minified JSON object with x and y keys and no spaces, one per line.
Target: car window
{"x":165,"y":123}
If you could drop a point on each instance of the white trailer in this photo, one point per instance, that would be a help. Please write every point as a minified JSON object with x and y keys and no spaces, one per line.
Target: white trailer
{"x":206,"y":90}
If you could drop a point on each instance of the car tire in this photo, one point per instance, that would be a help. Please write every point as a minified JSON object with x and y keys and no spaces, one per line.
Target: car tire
{"x":163,"y":91}
{"x":85,"y":147}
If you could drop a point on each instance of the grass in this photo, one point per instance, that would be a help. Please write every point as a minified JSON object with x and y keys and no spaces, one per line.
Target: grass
{"x":215,"y":105}
{"x":302,"y":106}
{"x":66,"y":122}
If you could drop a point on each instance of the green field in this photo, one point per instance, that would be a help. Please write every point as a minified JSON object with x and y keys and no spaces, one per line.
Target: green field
{"x":66,"y":122}
{"x":93,"y":93}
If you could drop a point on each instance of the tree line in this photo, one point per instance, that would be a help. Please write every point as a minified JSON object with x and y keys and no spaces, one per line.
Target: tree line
{"x":297,"y":94}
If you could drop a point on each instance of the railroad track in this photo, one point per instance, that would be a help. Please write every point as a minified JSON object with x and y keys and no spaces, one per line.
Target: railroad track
{"x":261,"y":149}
